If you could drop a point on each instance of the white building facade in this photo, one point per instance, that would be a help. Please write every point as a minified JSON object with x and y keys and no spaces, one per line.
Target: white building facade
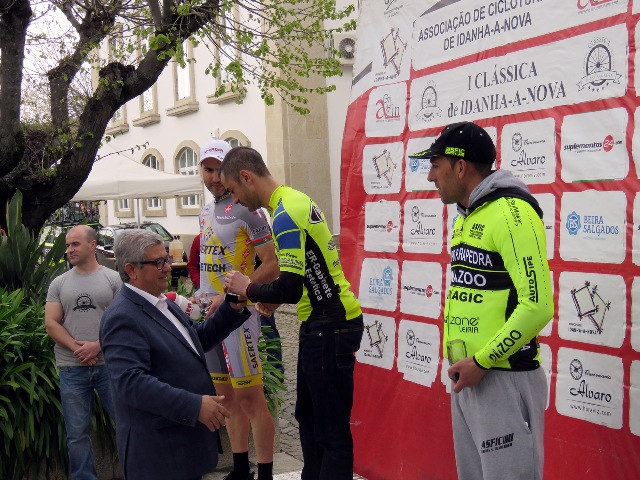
{"x":166,"y":126}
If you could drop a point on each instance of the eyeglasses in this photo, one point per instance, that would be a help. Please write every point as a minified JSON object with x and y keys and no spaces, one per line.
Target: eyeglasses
{"x":159,"y":262}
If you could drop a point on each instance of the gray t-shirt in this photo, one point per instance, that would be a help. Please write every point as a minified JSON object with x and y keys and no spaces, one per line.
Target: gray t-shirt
{"x":84,"y":298}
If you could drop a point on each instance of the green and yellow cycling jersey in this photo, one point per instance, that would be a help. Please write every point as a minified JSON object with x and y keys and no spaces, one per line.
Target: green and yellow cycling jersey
{"x":500,"y":295}
{"x":305,"y":246}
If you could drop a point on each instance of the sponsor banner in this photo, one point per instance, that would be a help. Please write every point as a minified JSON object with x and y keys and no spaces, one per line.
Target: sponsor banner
{"x":452,"y":213}
{"x":589,"y":387}
{"x":423,"y":226}
{"x":379,"y":284}
{"x":391,"y":60}
{"x":634,"y":398}
{"x":378,"y":347}
{"x":386,"y":111}
{"x":592,"y":226}
{"x":636,"y":58}
{"x":382,"y":167}
{"x":382,"y":226}
{"x":591,"y":308}
{"x":635,"y":314}
{"x":418,"y":351}
{"x":635,"y":237}
{"x":547,"y":329}
{"x":444,"y":377}
{"x":468,"y":27}
{"x":635,"y":142}
{"x":547,"y":202}
{"x":528,"y":150}
{"x":594,"y":147}
{"x":417,"y":169}
{"x":382,"y":42}
{"x":574,"y":70}
{"x":421,"y":289}
{"x":546,"y":363}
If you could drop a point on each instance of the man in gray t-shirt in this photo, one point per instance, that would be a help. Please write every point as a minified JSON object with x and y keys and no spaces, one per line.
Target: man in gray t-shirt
{"x":76,"y":301}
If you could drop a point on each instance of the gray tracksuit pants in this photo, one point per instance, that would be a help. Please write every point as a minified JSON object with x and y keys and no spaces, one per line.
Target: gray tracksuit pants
{"x":498,"y":426}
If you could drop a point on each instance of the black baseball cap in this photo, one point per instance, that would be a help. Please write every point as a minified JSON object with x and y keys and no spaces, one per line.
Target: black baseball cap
{"x":465,"y":140}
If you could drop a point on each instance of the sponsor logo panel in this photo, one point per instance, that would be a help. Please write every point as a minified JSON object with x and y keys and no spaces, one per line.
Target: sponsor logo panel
{"x":593,"y":226}
{"x":529,"y":151}
{"x":382,"y":226}
{"x":418,"y":351}
{"x":382,"y":168}
{"x":421,"y":289}
{"x":589,"y":387}
{"x":591,"y":308}
{"x":386,"y":111}
{"x":379,"y":284}
{"x":417,"y":169}
{"x":378,"y":342}
{"x":423,"y":226}
{"x":593,"y":146}
{"x":547,"y":202}
{"x":391,"y":60}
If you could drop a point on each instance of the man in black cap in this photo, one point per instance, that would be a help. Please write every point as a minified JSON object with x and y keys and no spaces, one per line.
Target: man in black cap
{"x":499,"y":299}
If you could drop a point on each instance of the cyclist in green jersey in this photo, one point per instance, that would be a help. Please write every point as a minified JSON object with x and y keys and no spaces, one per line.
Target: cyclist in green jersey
{"x":499,"y":299}
{"x":331,"y":330}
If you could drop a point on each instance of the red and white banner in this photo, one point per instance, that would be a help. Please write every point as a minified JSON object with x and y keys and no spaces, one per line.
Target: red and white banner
{"x":555,"y":84}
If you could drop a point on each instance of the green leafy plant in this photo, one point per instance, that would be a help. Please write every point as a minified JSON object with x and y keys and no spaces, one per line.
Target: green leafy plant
{"x":22,"y":264}
{"x":272,"y":376}
{"x":30,"y":412}
{"x":32,"y":433}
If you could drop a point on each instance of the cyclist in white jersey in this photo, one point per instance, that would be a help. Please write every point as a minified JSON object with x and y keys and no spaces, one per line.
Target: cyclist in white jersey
{"x":231,"y":237}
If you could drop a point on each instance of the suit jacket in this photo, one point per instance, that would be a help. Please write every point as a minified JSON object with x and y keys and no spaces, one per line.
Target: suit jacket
{"x":157,"y":382}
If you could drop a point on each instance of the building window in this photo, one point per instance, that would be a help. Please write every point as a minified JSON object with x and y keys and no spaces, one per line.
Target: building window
{"x":236,"y":138}
{"x":148,"y":101}
{"x":153,"y":207}
{"x":225,"y":52}
{"x":184,"y":86}
{"x":187,"y":164}
{"x":115,"y":52}
{"x":123,"y":208}
{"x":234,"y":142}
{"x":183,"y":82}
{"x":152,"y":162}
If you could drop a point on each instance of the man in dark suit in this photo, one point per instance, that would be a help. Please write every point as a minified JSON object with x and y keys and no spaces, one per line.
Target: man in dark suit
{"x":167,"y":413}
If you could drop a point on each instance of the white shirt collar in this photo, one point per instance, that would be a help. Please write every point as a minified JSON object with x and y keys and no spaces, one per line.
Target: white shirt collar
{"x":146,"y":295}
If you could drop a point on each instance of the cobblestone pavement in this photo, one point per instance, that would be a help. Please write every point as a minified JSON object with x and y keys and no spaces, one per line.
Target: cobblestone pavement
{"x":288,"y":326}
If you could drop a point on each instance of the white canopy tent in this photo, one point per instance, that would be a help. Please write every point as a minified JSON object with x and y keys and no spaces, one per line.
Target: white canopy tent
{"x":118,"y":177}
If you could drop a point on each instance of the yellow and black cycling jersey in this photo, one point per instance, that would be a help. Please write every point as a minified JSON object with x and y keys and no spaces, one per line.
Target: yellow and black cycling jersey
{"x":305,"y":247}
{"x":500,"y":295}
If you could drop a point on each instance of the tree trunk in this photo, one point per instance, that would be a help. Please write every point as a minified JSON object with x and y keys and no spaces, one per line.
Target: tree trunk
{"x":50,"y":183}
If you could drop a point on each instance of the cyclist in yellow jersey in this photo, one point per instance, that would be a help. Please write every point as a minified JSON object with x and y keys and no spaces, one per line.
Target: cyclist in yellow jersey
{"x":499,"y":299}
{"x":231,"y":236}
{"x":331,"y":329}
